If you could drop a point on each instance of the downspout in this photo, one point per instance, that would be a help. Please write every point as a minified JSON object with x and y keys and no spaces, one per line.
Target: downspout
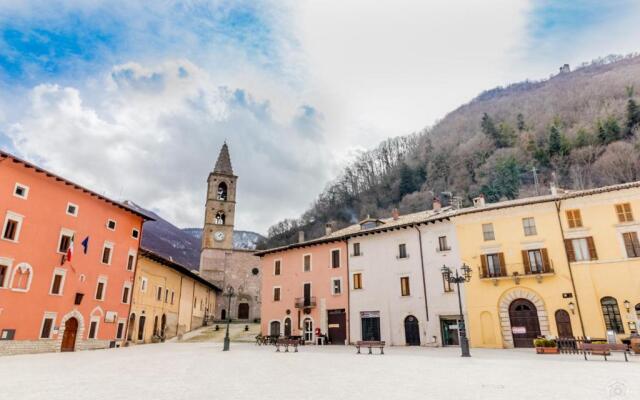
{"x":424,"y":281}
{"x":348,"y":317}
{"x":573,"y":284}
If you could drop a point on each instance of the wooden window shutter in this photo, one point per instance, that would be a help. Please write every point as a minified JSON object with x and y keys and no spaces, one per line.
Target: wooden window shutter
{"x":568,"y":245}
{"x":634,"y":242}
{"x":628,"y":244}
{"x":620,"y":212}
{"x":525,"y":261}
{"x":546,"y":264}
{"x":503,"y":265}
{"x":592,"y":248}
{"x":483,"y":262}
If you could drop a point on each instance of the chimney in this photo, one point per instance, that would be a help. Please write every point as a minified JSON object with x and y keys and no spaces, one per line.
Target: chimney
{"x":300,"y":236}
{"x":395,"y":214}
{"x":554,"y":189}
{"x":437,"y":205}
{"x":478,"y":201}
{"x":328,"y":228}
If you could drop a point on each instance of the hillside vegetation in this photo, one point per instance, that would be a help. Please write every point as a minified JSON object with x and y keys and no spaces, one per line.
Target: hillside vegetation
{"x":580,"y":129}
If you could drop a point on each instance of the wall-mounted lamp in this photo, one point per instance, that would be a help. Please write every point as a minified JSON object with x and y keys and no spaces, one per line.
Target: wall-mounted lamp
{"x":627,"y":305}
{"x":572,"y":307}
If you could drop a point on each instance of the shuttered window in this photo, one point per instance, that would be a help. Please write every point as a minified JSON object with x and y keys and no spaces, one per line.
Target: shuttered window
{"x":357,"y":281}
{"x":536,"y":261}
{"x":493,"y":265}
{"x":335,"y":258}
{"x":404,"y":286}
{"x":631,"y":244}
{"x":624,"y":212}
{"x":582,"y":249}
{"x":276,"y":267}
{"x":574,"y":219}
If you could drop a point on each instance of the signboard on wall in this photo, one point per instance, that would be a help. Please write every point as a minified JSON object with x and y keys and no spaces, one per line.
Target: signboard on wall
{"x":519,"y":330}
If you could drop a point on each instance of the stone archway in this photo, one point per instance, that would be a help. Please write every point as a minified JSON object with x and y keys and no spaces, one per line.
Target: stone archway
{"x":79,"y":333}
{"x":503,"y":308}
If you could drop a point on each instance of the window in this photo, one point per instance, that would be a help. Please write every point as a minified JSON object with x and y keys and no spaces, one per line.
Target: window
{"x":21,"y":191}
{"x":47,"y":325}
{"x":487,"y":232}
{"x":93,"y":328}
{"x":58,"y":281}
{"x":166,"y":295}
{"x":66,"y":236}
{"x":335,"y":258}
{"x":574,"y":219}
{"x":107,"y":252}
{"x":111,"y":225}
{"x":220,"y":218}
{"x":356,"y":249}
{"x":446,"y":283}
{"x":404,"y":286}
{"x":631,"y":244}
{"x":336,"y":286}
{"x":306,"y":260}
{"x":120,"y":329}
{"x":276,"y":294}
{"x":276,"y":267}
{"x":135,"y":233}
{"x":143,"y":284}
{"x":529,"y":226}
{"x":357,"y":281}
{"x":582,"y":249}
{"x":611,"y":313}
{"x":126,"y":293}
{"x":12,"y":224}
{"x":101,"y":288}
{"x":22,"y":276}
{"x":402,"y":251}
{"x":131,"y":260}
{"x":141,"y":323}
{"x":222,"y":191}
{"x":493,"y":265}
{"x":624,"y":212}
{"x":72,"y":209}
{"x":159,"y":294}
{"x":4,"y":274}
{"x":172,"y":296}
{"x":442,"y":244}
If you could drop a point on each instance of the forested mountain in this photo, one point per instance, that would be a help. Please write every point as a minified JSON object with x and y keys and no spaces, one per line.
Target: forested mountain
{"x":579,"y":128}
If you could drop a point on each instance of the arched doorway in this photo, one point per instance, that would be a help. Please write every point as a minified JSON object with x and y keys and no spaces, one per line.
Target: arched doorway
{"x":163,"y":324}
{"x":69,"y":336}
{"x":274,"y":328}
{"x":411,"y":331}
{"x":223,"y":315}
{"x":287,"y":327}
{"x":132,"y":326}
{"x":243,"y":311}
{"x":308,"y":329}
{"x":141,"y":323}
{"x":525,"y":325}
{"x":563,"y":323}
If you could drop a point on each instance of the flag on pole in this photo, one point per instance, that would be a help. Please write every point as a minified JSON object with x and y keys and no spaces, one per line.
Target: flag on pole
{"x":85,"y":245}
{"x":70,"y":250}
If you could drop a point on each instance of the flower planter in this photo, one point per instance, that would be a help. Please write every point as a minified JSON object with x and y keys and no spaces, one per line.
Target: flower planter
{"x":547,"y":350}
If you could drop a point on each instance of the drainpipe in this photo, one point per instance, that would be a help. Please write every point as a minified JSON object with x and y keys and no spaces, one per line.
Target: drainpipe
{"x":573,"y":283}
{"x":348,"y":316}
{"x":424,"y":281}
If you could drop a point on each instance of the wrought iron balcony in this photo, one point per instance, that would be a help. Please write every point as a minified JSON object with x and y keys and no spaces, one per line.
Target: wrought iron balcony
{"x":306,"y":302}
{"x":517,"y":271}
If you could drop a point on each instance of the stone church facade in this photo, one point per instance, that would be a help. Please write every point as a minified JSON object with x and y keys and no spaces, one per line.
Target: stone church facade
{"x":220,"y":263}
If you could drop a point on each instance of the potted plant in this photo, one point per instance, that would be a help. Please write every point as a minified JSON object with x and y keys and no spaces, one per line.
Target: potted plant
{"x":545,"y":346}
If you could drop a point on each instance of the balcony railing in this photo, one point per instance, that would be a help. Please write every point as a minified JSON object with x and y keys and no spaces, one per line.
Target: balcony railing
{"x":517,"y":271}
{"x":306,"y":302}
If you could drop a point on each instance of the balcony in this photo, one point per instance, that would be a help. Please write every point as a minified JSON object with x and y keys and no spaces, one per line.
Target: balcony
{"x":306,"y":302}
{"x":517,"y":271}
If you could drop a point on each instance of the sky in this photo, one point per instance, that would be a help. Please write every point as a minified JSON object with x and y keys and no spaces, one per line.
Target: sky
{"x":135,"y":99}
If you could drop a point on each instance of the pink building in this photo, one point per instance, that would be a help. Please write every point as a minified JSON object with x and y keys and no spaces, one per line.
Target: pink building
{"x":305,"y":290}
{"x":47,"y":301}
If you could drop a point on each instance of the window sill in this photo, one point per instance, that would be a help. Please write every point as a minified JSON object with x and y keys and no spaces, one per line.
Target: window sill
{"x":402,"y":258}
{"x":20,"y":290}
{"x":56,"y":294}
{"x":10,"y":240}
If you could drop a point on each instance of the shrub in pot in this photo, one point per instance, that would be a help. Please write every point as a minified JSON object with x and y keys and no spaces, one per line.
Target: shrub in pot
{"x":545,"y":346}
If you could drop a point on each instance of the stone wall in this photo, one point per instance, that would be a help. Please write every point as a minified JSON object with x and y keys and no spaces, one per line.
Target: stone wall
{"x":12,"y":347}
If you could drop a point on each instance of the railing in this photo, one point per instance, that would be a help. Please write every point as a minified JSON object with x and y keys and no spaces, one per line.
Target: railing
{"x":573,"y":345}
{"x":518,"y":270}
{"x":305,"y":302}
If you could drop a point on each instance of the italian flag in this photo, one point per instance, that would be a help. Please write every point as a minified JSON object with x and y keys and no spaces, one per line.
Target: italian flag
{"x":70,"y":250}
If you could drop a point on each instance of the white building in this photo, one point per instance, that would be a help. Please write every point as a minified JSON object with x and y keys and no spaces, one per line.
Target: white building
{"x":397,"y":292}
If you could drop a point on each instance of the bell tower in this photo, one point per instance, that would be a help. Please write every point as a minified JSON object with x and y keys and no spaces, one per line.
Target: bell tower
{"x":221,"y":205}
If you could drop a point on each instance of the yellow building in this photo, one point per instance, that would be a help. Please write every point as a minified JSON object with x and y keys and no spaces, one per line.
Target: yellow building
{"x":556,"y":265}
{"x":168,"y":300}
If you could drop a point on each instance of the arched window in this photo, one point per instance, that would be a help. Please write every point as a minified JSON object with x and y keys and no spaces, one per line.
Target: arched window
{"x":22,"y":276}
{"x":611,"y":314}
{"x":219,"y":218}
{"x":222,"y":191}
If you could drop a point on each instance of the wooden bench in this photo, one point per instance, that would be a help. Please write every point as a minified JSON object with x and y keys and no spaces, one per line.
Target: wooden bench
{"x":370,"y":344}
{"x":286,"y":343}
{"x":603,"y":349}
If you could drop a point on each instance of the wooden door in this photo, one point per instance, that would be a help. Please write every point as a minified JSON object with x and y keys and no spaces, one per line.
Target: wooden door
{"x":243,"y":311}
{"x":563,"y":323}
{"x":69,"y":336}
{"x":411,"y":331}
{"x":525,"y":325}
{"x":337,"y":322}
{"x":287,"y":327}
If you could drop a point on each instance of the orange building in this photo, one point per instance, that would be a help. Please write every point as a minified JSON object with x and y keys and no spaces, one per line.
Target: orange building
{"x":49,"y":302}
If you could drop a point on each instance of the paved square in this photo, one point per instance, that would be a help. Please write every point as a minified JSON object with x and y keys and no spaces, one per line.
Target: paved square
{"x":174,"y":371}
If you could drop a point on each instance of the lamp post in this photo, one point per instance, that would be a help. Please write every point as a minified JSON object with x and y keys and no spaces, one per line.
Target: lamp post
{"x":448,"y":276}
{"x":229,"y":294}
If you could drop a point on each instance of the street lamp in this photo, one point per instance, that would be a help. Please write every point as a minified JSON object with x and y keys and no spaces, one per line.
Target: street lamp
{"x":229,"y":294}
{"x":448,"y":276}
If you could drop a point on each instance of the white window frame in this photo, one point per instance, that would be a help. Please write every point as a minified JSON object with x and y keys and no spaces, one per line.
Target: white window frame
{"x":123,"y":322}
{"x":126,"y":285}
{"x":64,"y":232}
{"x":274,"y":266}
{"x":63,"y":273}
{"x":333,"y":291}
{"x":310,"y":262}
{"x":339,"y":250}
{"x":135,"y":233}
{"x":13,"y":275}
{"x":115,"y":224}
{"x":134,"y":253}
{"x":16,"y":217}
{"x":7,"y":262}
{"x":96,"y":319}
{"x":48,"y":315}
{"x":111,"y":246}
{"x":144,"y":283}
{"x":26,"y":190}
{"x":104,"y":280}
{"x":273,"y":294}
{"x":77,"y":208}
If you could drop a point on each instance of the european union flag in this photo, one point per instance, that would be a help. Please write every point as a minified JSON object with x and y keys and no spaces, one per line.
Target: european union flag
{"x":85,"y":245}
